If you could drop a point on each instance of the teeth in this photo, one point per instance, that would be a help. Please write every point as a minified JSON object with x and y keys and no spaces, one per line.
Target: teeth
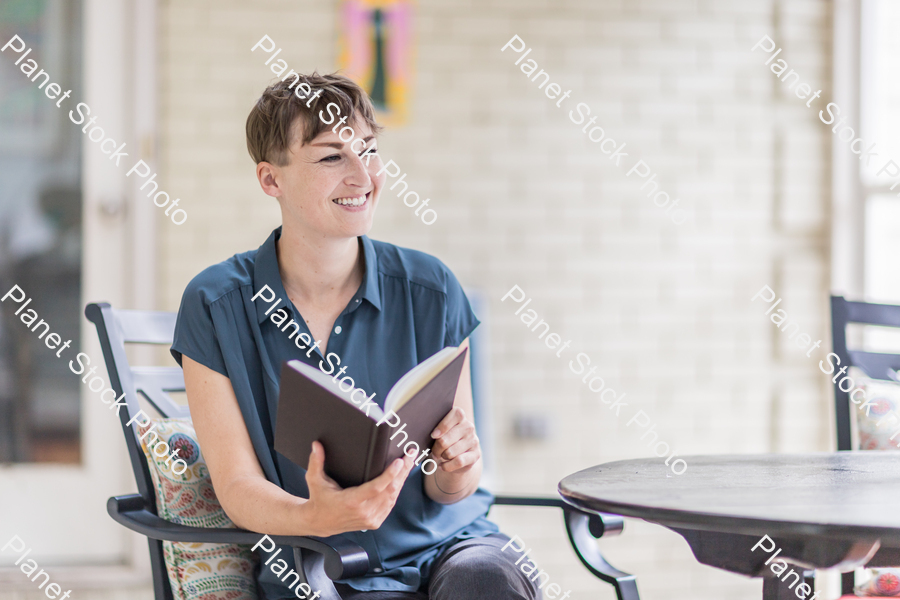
{"x":358,"y":201}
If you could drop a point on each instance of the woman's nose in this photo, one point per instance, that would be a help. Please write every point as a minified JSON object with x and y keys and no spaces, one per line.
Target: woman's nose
{"x":360,"y":174}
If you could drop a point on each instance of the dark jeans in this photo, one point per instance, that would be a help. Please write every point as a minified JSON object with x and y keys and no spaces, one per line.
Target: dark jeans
{"x":474,"y":569}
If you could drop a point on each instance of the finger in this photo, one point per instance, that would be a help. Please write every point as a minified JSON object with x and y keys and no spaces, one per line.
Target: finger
{"x":400,"y":479}
{"x":463,"y":461}
{"x":458,"y":433}
{"x":469,"y":444}
{"x":437,"y":449}
{"x":380,"y":483}
{"x":453,"y":417}
{"x":391,"y":480}
{"x":459,"y":439}
{"x":406,"y":465}
{"x":316,"y":466}
{"x":409,"y":463}
{"x":315,"y":472}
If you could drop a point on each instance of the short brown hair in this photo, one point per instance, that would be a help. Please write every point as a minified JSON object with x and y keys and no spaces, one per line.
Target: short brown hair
{"x":270,"y":121}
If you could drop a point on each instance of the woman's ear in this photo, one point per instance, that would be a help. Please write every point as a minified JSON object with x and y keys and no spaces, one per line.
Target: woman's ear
{"x":269,"y":176}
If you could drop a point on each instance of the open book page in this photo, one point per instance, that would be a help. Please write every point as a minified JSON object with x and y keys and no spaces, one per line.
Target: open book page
{"x":410,"y":384}
{"x":327,"y":382}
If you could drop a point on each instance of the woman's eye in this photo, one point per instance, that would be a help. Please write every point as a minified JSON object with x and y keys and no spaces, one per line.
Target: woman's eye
{"x":331,"y":158}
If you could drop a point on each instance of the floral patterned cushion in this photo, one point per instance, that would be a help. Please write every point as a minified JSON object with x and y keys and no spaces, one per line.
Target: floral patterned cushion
{"x":885,"y":583}
{"x":884,"y":397}
{"x":184,"y":495}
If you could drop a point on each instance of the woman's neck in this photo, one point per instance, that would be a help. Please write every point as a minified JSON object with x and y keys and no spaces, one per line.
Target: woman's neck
{"x":316,"y":269}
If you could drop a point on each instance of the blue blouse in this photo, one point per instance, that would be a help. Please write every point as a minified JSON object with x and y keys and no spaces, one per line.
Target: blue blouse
{"x":408,"y":307}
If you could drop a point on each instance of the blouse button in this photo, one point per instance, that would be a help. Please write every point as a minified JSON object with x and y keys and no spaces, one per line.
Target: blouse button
{"x":376,"y":570}
{"x":337,"y":329}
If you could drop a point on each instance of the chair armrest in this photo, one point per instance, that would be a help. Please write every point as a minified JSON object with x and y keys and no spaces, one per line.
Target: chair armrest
{"x":343,"y":559}
{"x":599,"y":524}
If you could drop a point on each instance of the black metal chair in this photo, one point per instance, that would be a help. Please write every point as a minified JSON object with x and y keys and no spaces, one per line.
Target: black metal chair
{"x":319,"y":560}
{"x":875,"y":365}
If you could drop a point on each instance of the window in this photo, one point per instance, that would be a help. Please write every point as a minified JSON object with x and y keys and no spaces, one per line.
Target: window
{"x":40,"y":232}
{"x":880,"y":123}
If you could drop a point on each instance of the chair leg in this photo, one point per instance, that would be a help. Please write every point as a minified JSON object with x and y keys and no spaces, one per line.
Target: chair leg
{"x":161,"y":588}
{"x":775,"y":589}
{"x":809,"y":578}
{"x":847,"y":583}
{"x":583,"y":542}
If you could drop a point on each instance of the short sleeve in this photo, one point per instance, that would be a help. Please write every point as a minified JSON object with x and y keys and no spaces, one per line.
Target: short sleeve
{"x":195,"y":331}
{"x":461,"y":320}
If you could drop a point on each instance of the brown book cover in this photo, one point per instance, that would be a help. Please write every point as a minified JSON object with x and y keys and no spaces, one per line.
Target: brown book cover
{"x":312,"y":407}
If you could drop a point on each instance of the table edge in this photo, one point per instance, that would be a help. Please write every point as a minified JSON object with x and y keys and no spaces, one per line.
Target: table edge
{"x":668,"y":517}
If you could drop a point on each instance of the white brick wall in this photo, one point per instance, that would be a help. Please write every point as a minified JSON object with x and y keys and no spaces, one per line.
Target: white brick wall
{"x":523,"y":198}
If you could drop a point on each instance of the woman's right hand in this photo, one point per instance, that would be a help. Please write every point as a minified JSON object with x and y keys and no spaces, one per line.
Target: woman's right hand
{"x":333,"y":509}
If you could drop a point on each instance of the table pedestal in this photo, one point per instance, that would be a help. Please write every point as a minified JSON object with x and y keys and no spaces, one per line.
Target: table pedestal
{"x":775,"y":589}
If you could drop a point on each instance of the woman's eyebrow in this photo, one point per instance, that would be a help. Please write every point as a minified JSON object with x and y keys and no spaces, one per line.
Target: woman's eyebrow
{"x":340,"y":146}
{"x":337,"y":145}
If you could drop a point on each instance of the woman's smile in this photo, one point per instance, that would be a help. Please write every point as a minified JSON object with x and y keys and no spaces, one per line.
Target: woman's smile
{"x":353,"y":203}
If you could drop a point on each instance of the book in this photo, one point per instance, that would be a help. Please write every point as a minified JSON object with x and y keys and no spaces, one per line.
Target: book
{"x":312,"y":406}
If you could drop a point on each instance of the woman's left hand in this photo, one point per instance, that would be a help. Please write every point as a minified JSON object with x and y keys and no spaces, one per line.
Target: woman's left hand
{"x":456,"y":446}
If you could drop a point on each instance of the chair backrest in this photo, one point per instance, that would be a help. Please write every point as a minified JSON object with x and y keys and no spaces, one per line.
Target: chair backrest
{"x":116,"y":328}
{"x":875,"y":365}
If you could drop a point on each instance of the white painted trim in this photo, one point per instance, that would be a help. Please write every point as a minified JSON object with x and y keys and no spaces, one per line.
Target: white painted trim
{"x":847,"y":214}
{"x":144,"y":213}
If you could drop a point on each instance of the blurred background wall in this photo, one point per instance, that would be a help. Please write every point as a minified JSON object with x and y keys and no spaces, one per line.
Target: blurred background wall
{"x":525,"y":199}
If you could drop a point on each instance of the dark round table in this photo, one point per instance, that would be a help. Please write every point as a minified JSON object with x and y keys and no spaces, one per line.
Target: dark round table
{"x":823,"y":510}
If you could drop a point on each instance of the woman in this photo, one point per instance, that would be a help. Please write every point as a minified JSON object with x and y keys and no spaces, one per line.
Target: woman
{"x":382,"y":310}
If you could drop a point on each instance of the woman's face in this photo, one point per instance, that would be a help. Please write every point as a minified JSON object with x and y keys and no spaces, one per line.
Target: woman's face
{"x":327,"y":187}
